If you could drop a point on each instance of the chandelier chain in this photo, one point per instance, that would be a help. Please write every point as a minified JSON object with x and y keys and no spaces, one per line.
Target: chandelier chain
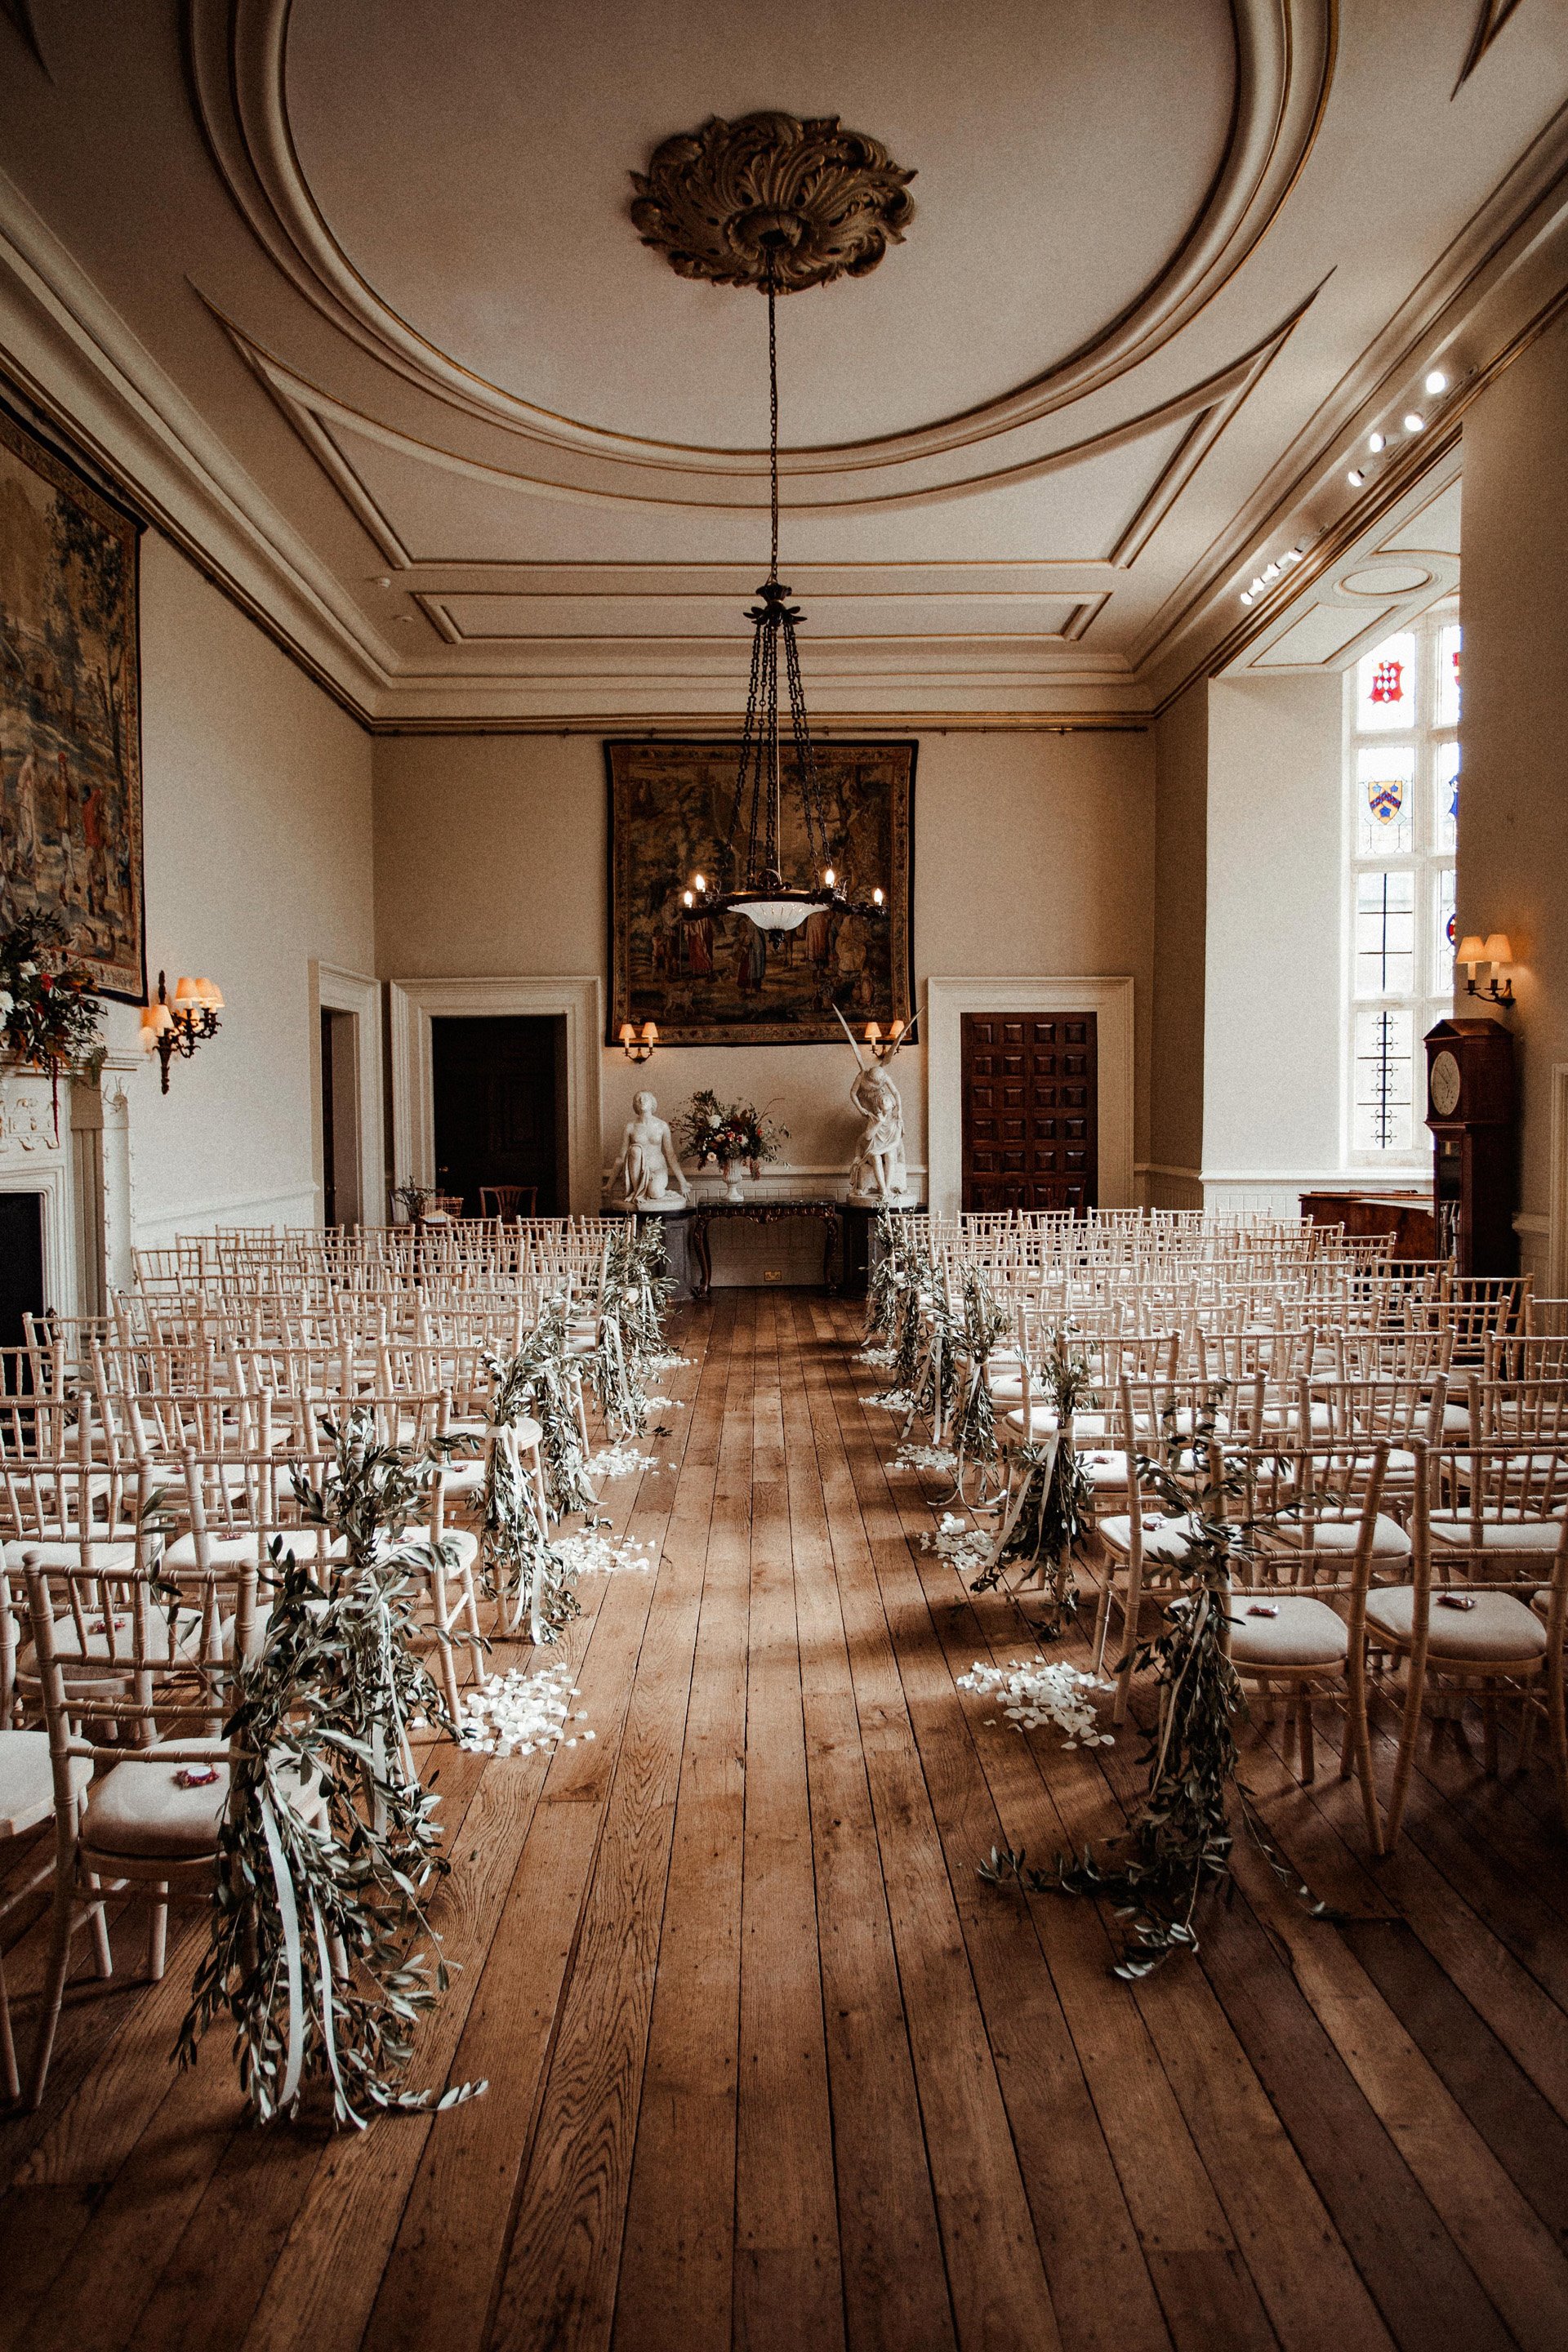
{"x":772,"y":422}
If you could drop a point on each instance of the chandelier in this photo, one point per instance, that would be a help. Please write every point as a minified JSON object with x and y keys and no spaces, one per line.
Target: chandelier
{"x":778,"y":204}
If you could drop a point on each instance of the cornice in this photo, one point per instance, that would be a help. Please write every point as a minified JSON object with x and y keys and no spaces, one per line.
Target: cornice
{"x":82,"y":369}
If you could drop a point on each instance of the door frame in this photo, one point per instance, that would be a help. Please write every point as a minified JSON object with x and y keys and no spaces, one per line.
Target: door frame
{"x":1108,"y":996}
{"x":414,"y":1004}
{"x":333,"y":990}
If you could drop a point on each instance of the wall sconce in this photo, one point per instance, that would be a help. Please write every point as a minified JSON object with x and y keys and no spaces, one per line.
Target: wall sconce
{"x":181,"y":1024}
{"x":1495,"y":950}
{"x":885,"y":1044}
{"x":637,"y":1046}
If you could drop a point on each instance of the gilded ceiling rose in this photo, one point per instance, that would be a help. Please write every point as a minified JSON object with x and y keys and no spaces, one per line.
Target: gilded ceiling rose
{"x":815,"y":201}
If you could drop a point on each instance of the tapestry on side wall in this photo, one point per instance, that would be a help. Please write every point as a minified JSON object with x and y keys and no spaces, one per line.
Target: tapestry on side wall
{"x":720,"y":980}
{"x":71,"y":722}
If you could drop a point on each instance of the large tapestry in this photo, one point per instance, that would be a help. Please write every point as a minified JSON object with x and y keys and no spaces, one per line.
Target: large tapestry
{"x":70,"y":748}
{"x":720,"y":980}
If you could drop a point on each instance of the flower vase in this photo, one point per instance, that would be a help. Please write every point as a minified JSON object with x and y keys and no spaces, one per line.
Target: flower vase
{"x":732,"y":1173}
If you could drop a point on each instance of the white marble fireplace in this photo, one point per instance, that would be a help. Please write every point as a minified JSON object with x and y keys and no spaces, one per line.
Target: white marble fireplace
{"x":81,"y":1176}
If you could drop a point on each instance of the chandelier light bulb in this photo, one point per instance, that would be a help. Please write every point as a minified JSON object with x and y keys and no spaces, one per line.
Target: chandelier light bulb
{"x":828,"y":876}
{"x":1436,"y":381}
{"x":876,"y":898}
{"x":700,"y":881}
{"x":687,"y":898}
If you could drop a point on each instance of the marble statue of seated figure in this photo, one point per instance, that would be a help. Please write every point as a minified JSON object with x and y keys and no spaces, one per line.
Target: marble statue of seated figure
{"x":648,"y":1174}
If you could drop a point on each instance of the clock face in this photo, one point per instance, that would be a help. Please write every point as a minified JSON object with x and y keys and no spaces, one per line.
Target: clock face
{"x":1443,"y":1085}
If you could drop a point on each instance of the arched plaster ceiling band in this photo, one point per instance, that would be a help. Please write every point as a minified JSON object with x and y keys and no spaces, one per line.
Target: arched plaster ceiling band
{"x":1284,"y":64}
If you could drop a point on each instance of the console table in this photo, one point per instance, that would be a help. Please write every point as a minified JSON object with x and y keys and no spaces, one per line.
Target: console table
{"x":828,"y":1213}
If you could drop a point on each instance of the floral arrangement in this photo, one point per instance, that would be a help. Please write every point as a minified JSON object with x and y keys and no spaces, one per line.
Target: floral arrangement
{"x":728,"y":1132}
{"x":48,"y":1015}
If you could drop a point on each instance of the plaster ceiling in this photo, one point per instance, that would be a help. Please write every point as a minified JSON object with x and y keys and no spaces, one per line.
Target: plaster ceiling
{"x":362,"y":315}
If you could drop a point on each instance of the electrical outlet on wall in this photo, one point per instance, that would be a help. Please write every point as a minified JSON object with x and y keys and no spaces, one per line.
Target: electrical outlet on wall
{"x":772,"y":1273}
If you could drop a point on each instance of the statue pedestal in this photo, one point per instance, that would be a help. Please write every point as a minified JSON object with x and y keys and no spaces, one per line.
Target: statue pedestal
{"x":861,"y":1252}
{"x":675,"y":1226}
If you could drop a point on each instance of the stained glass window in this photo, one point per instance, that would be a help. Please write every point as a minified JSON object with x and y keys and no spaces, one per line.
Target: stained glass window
{"x":1402,"y":778}
{"x":1386,"y":775}
{"x":1446,"y":831}
{"x":1386,"y":686}
{"x":1447,"y":713}
{"x":1385,"y":933}
{"x":1383,"y":1114}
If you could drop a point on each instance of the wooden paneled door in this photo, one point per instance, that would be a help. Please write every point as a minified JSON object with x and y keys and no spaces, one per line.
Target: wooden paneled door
{"x":1031,"y":1110}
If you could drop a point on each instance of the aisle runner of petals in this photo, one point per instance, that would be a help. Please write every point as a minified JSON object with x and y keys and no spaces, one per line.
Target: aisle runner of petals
{"x":513,"y":1713}
{"x":968,"y":1548}
{"x":595,"y":1553}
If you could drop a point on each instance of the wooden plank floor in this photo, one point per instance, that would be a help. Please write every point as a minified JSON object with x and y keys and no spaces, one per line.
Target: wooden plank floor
{"x":769,"y":2066}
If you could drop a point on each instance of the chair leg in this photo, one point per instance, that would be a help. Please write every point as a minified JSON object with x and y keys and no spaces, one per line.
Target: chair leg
{"x":1309,"y":1753}
{"x":1404,"y":1761}
{"x":54,"y":1993}
{"x":1356,"y":1752}
{"x":7,"y":2042}
{"x":101,"y":1954}
{"x":158,"y":1932}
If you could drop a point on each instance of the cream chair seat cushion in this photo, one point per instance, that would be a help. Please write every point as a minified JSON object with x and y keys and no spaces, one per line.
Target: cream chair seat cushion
{"x":1340,"y":1533}
{"x":1165,"y":1541}
{"x":140,"y":1812}
{"x":1304,"y":1633}
{"x":107,"y":1556}
{"x":1496,"y":1535}
{"x":464,"y":1538}
{"x":1043,"y":1422}
{"x":1499,"y":1627}
{"x":1104,"y":1469}
{"x":27,"y":1780}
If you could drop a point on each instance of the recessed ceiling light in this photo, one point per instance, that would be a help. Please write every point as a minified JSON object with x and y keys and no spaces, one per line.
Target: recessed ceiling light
{"x":1414,"y":424}
{"x":1271,"y":571}
{"x":1292,"y":555}
{"x":1374,"y":442}
{"x":1436,"y":381}
{"x":1355,"y":477}
{"x":1247,"y":595}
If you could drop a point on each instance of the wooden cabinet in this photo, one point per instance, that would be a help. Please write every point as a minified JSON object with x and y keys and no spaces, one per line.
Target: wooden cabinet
{"x":1470,"y":1110}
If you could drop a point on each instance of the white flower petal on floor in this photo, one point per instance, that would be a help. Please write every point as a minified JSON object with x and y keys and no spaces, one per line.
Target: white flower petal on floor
{"x":594,"y":1553}
{"x":620,"y":1461}
{"x":966,"y":1548}
{"x":891,"y":1401}
{"x":516,"y":1713}
{"x":925,"y":1458}
{"x":1044,"y":1691}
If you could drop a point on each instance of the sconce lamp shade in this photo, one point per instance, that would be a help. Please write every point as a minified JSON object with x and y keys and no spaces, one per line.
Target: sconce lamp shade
{"x":156,"y":1021}
{"x":872,"y":1032}
{"x":626,"y":1032}
{"x":1498,"y":948}
{"x":650,"y":1033}
{"x":1470,"y":950}
{"x":187,"y":992}
{"x":210,"y":994}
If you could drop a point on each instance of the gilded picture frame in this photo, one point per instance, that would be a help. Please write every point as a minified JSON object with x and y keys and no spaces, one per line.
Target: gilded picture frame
{"x":70,"y":708}
{"x":721,"y":981}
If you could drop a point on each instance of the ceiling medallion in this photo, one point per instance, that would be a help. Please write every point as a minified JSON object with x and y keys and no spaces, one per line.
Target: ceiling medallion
{"x":809,"y":201}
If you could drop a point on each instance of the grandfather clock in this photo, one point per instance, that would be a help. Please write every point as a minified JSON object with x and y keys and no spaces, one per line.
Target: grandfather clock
{"x":1470,"y":1111}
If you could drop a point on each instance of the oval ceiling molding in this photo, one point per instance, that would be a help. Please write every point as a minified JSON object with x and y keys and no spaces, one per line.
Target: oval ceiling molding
{"x":1284,"y":56}
{"x":1386,"y":580}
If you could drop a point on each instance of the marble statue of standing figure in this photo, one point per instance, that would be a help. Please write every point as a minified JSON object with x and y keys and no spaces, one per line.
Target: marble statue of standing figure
{"x":648,"y":1175}
{"x":879,"y":1172}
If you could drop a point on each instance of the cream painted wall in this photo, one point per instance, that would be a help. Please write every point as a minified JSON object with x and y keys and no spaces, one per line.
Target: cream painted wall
{"x":1181,"y":883}
{"x":1272,"y":1050}
{"x":1514,"y":810}
{"x":1034,"y":854}
{"x":257,"y":855}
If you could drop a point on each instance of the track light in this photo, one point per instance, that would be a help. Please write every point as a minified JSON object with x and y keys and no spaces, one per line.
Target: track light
{"x":1436,"y":381}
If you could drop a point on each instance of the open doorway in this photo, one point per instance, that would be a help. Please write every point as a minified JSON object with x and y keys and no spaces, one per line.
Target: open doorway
{"x":343,"y":1189}
{"x":499,"y":1086}
{"x":21,"y":1263}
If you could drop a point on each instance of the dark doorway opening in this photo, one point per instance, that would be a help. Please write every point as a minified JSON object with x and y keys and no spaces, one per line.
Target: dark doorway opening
{"x":500,"y":1085}
{"x":21,"y":1263}
{"x":341,"y":1201}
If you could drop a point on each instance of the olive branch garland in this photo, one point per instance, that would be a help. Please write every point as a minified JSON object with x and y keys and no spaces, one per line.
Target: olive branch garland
{"x":1178,"y":1845}
{"x":330,"y":1844}
{"x":1051,"y":1506}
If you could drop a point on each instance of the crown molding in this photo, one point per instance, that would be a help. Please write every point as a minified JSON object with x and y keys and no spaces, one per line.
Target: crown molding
{"x":82,"y":368}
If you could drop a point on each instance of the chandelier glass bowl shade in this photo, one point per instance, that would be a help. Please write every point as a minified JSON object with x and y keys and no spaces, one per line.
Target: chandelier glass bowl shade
{"x":776,"y":749}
